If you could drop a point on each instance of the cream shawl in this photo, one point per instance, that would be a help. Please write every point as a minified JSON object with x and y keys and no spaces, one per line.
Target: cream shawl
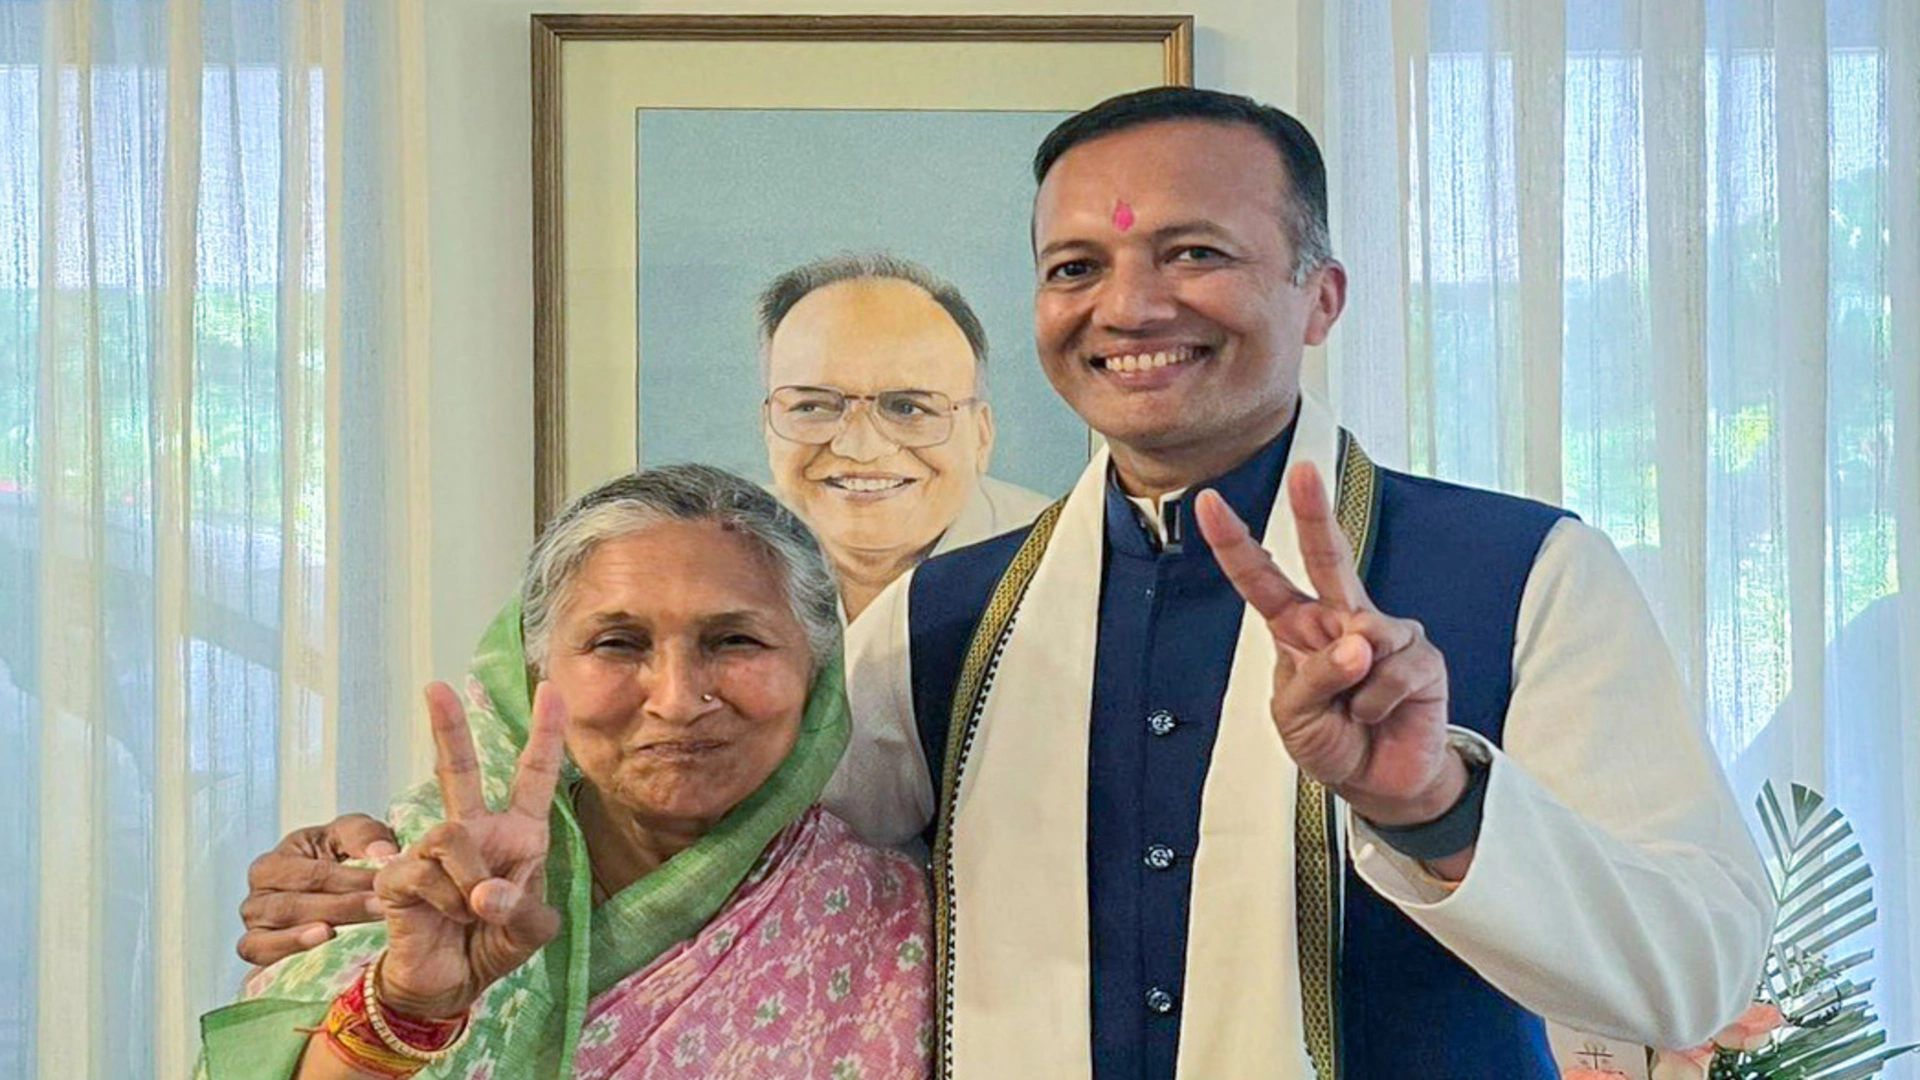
{"x":1010,"y":873}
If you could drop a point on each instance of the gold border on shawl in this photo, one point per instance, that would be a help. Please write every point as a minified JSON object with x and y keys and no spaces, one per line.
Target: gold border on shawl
{"x":969,"y":700}
{"x":1316,"y":843}
{"x":1318,"y":870}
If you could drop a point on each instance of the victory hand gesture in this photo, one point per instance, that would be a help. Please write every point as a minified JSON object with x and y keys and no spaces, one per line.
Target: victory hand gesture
{"x":1359,"y":697}
{"x":464,"y":905}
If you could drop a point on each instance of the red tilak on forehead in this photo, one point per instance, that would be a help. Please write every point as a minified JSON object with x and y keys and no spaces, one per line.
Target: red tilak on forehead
{"x":1122,"y":215}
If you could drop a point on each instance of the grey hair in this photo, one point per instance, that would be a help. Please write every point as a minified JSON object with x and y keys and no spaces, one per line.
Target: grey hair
{"x":783,"y":292}
{"x":642,"y":500}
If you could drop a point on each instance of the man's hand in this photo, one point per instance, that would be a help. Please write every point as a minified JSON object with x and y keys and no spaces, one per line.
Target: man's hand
{"x":301,"y":890}
{"x":1359,"y":697}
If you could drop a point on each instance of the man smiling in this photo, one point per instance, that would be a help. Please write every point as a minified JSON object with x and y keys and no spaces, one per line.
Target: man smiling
{"x":1211,"y":801}
{"x":877,"y":426}
{"x":1362,"y":792}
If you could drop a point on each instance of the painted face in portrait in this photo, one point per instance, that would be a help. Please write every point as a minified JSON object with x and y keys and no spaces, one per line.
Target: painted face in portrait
{"x":684,"y":670}
{"x":1166,"y":313}
{"x":880,"y":439}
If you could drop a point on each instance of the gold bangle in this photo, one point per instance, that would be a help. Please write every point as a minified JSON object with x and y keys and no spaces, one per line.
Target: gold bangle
{"x":376,"y":1012}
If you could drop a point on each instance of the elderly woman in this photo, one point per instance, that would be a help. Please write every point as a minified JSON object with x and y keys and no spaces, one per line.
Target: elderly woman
{"x":700,"y":916}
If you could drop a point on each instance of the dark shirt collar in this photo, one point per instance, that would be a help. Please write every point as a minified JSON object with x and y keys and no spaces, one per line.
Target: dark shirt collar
{"x":1248,"y":487}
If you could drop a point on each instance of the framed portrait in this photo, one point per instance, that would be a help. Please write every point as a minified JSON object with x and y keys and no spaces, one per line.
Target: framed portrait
{"x":697,"y":177}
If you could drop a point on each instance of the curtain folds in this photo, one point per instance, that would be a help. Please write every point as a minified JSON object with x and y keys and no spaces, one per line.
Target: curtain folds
{"x":210,"y":399}
{"x":1657,"y":261}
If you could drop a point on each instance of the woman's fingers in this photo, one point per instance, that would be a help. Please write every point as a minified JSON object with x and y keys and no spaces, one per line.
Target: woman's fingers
{"x":415,"y":879}
{"x":457,"y":765}
{"x":538,"y":770}
{"x":490,"y":891}
{"x":529,"y":926}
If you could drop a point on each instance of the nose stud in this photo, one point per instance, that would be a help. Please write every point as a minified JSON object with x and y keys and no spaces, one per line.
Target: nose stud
{"x":708,"y":698}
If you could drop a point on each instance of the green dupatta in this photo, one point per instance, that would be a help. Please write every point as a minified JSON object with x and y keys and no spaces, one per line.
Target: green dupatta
{"x":527,"y":1024}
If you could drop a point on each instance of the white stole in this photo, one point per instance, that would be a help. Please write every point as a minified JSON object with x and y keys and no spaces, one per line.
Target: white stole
{"x":1019,"y":968}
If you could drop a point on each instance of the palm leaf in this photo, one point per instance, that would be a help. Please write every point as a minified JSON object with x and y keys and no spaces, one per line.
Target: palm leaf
{"x":1823,"y":887}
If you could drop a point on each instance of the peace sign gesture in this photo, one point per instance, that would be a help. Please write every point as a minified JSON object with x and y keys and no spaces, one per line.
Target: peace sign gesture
{"x":1359,"y":697}
{"x":464,"y":905}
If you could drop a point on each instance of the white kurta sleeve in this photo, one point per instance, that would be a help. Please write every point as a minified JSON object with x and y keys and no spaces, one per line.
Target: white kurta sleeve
{"x":882,"y":787}
{"x":1614,"y":888}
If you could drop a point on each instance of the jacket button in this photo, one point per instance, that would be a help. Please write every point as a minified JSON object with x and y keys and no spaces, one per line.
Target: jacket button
{"x":1161,"y":722}
{"x":1159,"y":1002}
{"x":1159,"y":857}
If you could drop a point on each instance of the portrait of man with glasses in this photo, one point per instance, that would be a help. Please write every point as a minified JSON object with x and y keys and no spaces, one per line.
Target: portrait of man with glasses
{"x":876,"y":417}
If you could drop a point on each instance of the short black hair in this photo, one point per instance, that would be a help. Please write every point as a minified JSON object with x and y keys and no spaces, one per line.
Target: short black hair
{"x":1304,"y":205}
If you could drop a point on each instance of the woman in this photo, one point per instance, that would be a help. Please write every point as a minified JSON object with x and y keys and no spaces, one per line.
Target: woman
{"x":706,"y":919}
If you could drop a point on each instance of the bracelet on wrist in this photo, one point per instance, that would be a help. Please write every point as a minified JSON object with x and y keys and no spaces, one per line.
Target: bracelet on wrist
{"x":423,"y":1040}
{"x":371,"y":1038}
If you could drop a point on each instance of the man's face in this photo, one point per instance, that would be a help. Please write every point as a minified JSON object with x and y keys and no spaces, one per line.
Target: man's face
{"x":1165,"y":311}
{"x":862,"y":491}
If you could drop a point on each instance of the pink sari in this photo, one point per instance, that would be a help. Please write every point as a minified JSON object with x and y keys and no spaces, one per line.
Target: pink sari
{"x":818,"y":966}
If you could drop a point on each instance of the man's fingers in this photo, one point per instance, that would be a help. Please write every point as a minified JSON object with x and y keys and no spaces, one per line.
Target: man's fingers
{"x":279,"y":872}
{"x":1387,"y":635}
{"x":1317,"y":678}
{"x":279,"y":910}
{"x":456,"y":764}
{"x":263,"y":947}
{"x":1410,"y":674}
{"x":1292,"y":616}
{"x":357,"y":836}
{"x":1254,"y":574}
{"x":538,"y":770}
{"x":1323,"y":547}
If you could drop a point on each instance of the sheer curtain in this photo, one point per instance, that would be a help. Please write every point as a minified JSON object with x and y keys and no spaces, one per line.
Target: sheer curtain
{"x":209,"y":388}
{"x":1660,"y":262}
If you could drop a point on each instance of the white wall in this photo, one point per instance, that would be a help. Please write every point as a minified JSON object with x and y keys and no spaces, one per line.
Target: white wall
{"x":479,"y":123}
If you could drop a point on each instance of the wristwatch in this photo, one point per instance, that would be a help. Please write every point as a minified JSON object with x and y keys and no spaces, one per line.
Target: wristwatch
{"x":1459,"y":828}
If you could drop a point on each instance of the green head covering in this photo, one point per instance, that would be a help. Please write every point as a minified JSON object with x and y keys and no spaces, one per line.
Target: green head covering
{"x":527,"y":1024}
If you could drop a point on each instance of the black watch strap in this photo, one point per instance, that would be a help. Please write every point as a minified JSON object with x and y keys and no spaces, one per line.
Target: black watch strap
{"x":1449,"y":834}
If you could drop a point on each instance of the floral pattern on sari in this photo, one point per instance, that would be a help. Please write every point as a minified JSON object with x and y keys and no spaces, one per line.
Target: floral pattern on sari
{"x":817,"y":967}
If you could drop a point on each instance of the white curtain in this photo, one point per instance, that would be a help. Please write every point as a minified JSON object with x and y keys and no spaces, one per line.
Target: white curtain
{"x":210,"y":358}
{"x":1659,"y":261}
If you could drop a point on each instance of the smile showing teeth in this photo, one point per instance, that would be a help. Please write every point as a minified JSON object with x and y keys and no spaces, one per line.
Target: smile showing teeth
{"x":868,"y":483}
{"x":1126,"y":362}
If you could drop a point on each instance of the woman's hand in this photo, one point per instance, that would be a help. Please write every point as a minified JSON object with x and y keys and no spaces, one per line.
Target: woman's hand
{"x":464,"y":905}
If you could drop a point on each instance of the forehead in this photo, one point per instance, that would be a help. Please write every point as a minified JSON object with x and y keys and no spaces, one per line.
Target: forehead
{"x":677,"y":570}
{"x":871,"y":334}
{"x":1166,"y":171}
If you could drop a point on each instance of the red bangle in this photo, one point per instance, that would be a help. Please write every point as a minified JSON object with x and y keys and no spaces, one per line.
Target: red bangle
{"x":372,"y":1039}
{"x":422,"y":1040}
{"x":349,"y":1034}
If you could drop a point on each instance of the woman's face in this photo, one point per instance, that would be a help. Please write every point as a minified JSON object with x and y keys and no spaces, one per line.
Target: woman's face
{"x":683,"y":669}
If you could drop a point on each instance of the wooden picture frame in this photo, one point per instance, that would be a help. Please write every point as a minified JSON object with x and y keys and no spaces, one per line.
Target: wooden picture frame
{"x":592,"y":74}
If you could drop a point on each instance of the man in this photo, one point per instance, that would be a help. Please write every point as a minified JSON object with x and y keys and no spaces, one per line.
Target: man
{"x":1125,"y":771}
{"x":877,"y":424}
{"x":1117,"y":831}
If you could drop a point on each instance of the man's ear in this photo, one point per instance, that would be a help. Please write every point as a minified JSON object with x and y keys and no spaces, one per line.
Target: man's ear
{"x":1329,"y":287}
{"x":983,"y":431}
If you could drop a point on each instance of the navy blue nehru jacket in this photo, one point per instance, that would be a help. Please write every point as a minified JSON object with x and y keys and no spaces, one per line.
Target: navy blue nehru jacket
{"x":1455,"y":558}
{"x":1168,"y":621}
